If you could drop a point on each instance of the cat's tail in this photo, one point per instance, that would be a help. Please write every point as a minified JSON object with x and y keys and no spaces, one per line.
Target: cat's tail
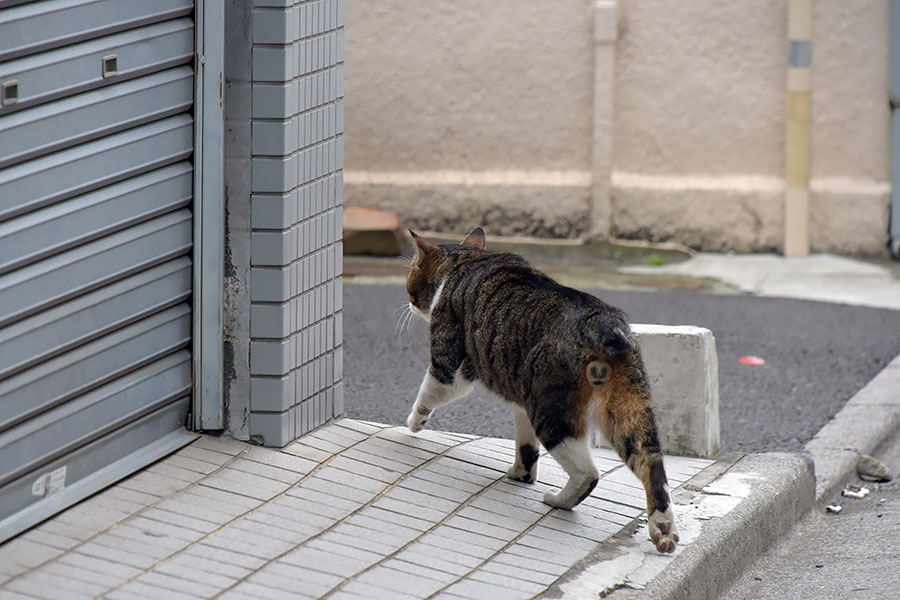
{"x":609,"y":334}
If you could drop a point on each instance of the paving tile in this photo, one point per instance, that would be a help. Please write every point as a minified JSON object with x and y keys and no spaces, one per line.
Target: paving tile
{"x":376,"y":593}
{"x":367,"y":427}
{"x":537,"y":550}
{"x":463,"y":541}
{"x":311,"y":441}
{"x":175,"y":472}
{"x":104,"y":579}
{"x":389,"y":531}
{"x":203,"y":455}
{"x":338,"y":435}
{"x":434,"y":489}
{"x":405,"y":582}
{"x":247,"y":589}
{"x":118,"y":594}
{"x":220,"y":444}
{"x":520,"y":572}
{"x":198,"y":506}
{"x":246,"y":484}
{"x":620,"y":494}
{"x":350,"y":552}
{"x":151,"y":592}
{"x":461,"y":469}
{"x":529,"y":564}
{"x":274,"y":532}
{"x":87,"y":563}
{"x":482,"y":528}
{"x":292,"y":526}
{"x":137,"y":498}
{"x":289,"y":577}
{"x":27,"y":553}
{"x":160,"y":530}
{"x":299,"y":510}
{"x":280,"y":459}
{"x":46,"y":538}
{"x":351,"y":539}
{"x":365,"y":469}
{"x":530,"y":588}
{"x":328,"y":562}
{"x":183,"y":521}
{"x":588,"y":528}
{"x":153,"y":484}
{"x":409,"y":496}
{"x":413,"y":555}
{"x":10,"y":595}
{"x":512,"y":521}
{"x":469,"y":588}
{"x":413,"y":510}
{"x":612,"y":507}
{"x":138,"y":538}
{"x":117,"y":555}
{"x":395,"y":518}
{"x":246,"y":542}
{"x":191,"y":464}
{"x":78,"y":532}
{"x":586,"y":511}
{"x":429,"y":571}
{"x":223,"y":555}
{"x":263,"y":470}
{"x":195,"y":571}
{"x":560,"y":537}
{"x":317,"y":502}
{"x":347,"y":478}
{"x":567,"y":554}
{"x":178,"y":584}
{"x":441,"y":550}
{"x":374,"y":445}
{"x":490,"y":504}
{"x":395,"y":539}
{"x":380,"y":449}
{"x":192,"y":561}
{"x":383,"y":461}
{"x":463,"y":454}
{"x":407,"y":439}
{"x":337,"y":494}
{"x":47,"y":585}
{"x":307,"y":452}
{"x":441,"y":479}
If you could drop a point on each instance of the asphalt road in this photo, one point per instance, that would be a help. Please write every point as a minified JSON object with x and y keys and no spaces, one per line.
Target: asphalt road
{"x":852,"y":554}
{"x":818,"y":355}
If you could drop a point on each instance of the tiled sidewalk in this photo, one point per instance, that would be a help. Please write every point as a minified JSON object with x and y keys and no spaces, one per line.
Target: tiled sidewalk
{"x":353,"y":511}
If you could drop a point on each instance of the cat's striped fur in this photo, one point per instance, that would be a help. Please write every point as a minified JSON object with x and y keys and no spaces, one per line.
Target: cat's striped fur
{"x":562,"y":357}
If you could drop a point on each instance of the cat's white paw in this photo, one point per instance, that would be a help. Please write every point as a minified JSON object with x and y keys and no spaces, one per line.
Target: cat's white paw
{"x":662,"y":530}
{"x":559,"y":500}
{"x":520,"y":473}
{"x":416,"y":422}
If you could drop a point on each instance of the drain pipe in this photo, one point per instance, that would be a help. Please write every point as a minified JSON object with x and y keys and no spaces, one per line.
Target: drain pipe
{"x":895,"y":128}
{"x":798,"y":129}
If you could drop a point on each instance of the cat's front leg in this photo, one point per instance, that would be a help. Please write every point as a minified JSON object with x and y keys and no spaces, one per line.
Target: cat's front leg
{"x":434,"y":393}
{"x":524,"y":469}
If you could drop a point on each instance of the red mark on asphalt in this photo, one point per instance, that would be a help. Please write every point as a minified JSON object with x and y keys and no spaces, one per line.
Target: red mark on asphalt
{"x":752,"y":360}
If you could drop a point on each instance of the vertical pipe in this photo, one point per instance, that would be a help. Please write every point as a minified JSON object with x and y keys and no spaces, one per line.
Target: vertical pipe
{"x":895,"y":128}
{"x":798,"y":128}
{"x":605,"y":29}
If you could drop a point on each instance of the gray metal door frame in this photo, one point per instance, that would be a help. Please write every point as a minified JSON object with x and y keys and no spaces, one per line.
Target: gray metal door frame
{"x":209,"y":214}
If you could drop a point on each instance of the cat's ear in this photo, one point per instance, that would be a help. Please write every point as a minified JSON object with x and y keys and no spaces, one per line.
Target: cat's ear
{"x":475,"y":239}
{"x":424,"y":248}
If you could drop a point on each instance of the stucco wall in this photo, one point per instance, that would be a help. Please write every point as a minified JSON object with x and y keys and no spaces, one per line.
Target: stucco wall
{"x":471,"y":113}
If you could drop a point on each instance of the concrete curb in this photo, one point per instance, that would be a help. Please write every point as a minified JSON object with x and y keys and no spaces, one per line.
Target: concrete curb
{"x":782,"y":490}
{"x":868,"y":420}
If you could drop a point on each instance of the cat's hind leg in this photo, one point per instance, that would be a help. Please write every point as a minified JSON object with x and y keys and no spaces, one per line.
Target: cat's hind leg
{"x":574,"y":456}
{"x":433,"y":394}
{"x":527,"y":450}
{"x":623,"y":414}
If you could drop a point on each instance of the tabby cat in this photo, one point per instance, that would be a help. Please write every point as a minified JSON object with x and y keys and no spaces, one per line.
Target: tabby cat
{"x":561,"y":357}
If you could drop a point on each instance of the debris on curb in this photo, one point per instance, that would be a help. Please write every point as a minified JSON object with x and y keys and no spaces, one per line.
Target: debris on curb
{"x":854,"y":491}
{"x":833,"y":508}
{"x":872,"y":469}
{"x":755,"y":361}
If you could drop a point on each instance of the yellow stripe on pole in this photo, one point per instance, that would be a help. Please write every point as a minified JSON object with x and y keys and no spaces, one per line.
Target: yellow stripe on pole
{"x":798,"y":129}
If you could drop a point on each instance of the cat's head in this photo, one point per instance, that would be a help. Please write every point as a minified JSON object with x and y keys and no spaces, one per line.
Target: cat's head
{"x":425,"y":274}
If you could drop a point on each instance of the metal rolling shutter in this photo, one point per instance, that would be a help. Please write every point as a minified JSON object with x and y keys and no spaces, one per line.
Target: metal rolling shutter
{"x":96,"y":182}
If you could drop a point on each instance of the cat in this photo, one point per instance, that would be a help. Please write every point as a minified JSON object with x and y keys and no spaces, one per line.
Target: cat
{"x":561,"y":357}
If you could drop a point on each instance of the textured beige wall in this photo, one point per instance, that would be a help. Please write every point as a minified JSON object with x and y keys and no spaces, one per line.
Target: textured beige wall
{"x":851,"y":138}
{"x":477,"y":112}
{"x":501,"y":88}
